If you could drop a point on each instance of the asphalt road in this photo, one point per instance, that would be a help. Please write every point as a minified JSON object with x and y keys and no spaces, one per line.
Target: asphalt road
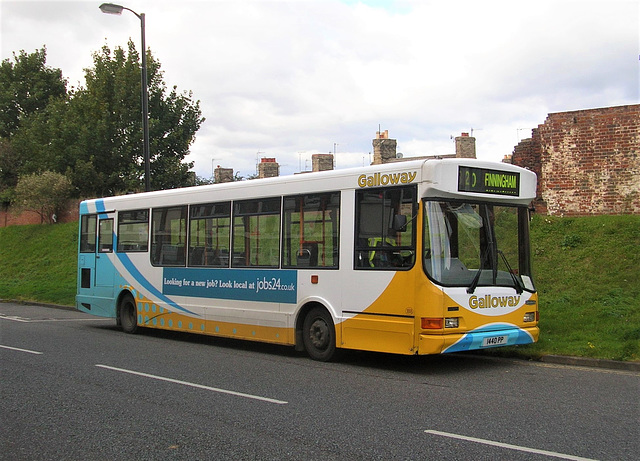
{"x":74,"y":387}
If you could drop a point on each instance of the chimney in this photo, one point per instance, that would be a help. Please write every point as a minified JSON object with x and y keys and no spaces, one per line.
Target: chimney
{"x":322,"y":162}
{"x":268,"y":168}
{"x":222,"y":175}
{"x":384,"y":149}
{"x":465,"y":146}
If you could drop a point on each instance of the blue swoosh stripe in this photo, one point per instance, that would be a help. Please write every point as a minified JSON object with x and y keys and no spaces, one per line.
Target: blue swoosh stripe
{"x":473,"y":339}
{"x":133,"y":270}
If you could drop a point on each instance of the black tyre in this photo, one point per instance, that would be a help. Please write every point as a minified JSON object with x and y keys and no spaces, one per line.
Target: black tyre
{"x":128,"y":315}
{"x":319,"y":335}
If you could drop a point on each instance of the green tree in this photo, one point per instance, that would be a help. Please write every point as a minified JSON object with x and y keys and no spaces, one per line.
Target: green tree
{"x":26,"y":86}
{"x":10,"y":164}
{"x":45,"y":194}
{"x":94,"y":136}
{"x":113,"y":93}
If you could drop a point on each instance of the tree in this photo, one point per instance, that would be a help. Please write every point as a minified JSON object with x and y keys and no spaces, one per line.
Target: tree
{"x":10,"y":164}
{"x":94,"y":136}
{"x":45,"y":194}
{"x":113,"y":90}
{"x":26,"y":86}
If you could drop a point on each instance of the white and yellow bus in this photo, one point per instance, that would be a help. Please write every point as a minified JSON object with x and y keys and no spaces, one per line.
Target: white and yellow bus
{"x":417,"y":257}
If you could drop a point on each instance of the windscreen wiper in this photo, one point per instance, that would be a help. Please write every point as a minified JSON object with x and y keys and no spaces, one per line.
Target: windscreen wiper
{"x":516,"y":282}
{"x":474,"y":283}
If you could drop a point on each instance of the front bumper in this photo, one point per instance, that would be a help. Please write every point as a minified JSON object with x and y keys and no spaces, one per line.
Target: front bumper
{"x":482,"y":338}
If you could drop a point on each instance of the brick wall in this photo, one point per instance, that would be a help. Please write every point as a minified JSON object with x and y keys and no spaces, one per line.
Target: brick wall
{"x":9,"y":218}
{"x":587,"y":161}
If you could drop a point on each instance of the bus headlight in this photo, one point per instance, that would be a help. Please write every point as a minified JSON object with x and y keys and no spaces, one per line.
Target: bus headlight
{"x":530,"y":317}
{"x":451,"y":322}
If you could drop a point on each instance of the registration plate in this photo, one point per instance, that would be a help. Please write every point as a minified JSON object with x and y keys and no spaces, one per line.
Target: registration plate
{"x":494,"y":341}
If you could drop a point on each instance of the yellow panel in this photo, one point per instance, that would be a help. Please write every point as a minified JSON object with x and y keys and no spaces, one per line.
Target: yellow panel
{"x":397,"y":298}
{"x":378,"y":333}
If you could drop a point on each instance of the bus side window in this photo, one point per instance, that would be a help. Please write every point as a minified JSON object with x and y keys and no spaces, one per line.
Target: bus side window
{"x":311,"y":230}
{"x":133,"y":231}
{"x":169,"y":236}
{"x":385,"y":231}
{"x":256,"y":233}
{"x":88,"y":233}
{"x":209,"y":235}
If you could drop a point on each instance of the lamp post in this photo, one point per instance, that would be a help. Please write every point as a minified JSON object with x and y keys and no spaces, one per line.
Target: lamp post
{"x":111,"y":8}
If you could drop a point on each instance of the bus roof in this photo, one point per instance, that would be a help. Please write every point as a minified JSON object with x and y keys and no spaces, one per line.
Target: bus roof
{"x":436,"y":178}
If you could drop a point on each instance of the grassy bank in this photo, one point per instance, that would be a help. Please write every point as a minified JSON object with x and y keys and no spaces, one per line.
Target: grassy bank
{"x":587,"y":272}
{"x":38,"y":263}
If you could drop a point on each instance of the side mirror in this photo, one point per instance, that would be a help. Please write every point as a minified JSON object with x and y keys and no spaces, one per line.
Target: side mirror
{"x":400,"y":223}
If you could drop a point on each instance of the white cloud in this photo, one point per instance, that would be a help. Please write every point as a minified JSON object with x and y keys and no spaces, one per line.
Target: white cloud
{"x":286,"y":79}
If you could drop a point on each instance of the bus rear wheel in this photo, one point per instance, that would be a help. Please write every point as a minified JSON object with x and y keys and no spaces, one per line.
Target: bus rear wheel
{"x":319,"y":335}
{"x":127,"y":315}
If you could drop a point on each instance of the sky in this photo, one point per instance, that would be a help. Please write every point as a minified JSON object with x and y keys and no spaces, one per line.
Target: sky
{"x":288,"y":79}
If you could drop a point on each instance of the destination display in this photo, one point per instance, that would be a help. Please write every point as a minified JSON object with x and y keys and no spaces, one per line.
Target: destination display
{"x":486,"y":181}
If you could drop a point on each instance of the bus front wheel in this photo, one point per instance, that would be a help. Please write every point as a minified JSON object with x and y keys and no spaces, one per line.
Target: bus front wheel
{"x":127,"y":315}
{"x":319,"y":335}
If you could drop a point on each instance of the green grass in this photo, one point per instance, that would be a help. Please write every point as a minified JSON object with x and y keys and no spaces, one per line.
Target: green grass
{"x":38,"y":263}
{"x":587,"y":272}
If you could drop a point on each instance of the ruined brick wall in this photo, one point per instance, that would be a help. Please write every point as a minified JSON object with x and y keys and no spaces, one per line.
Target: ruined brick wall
{"x":587,"y":161}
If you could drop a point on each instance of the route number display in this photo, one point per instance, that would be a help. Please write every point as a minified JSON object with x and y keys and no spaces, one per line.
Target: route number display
{"x":486,"y":181}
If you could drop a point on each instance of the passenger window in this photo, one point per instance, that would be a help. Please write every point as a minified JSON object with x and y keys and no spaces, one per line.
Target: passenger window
{"x":311,"y":230}
{"x":256,"y":233}
{"x":133,"y":231}
{"x":209,"y":234}
{"x":169,"y":236}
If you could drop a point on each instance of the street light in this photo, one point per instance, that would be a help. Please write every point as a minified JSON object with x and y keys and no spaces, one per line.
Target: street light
{"x":110,"y":8}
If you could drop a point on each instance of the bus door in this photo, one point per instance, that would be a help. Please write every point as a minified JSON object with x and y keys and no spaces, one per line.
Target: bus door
{"x":104,"y":270}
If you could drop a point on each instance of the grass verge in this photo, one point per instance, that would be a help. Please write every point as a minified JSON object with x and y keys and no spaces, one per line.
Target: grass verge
{"x":38,"y":263}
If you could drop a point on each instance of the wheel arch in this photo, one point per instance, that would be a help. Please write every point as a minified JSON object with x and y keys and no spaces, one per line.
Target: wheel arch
{"x":302,"y":313}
